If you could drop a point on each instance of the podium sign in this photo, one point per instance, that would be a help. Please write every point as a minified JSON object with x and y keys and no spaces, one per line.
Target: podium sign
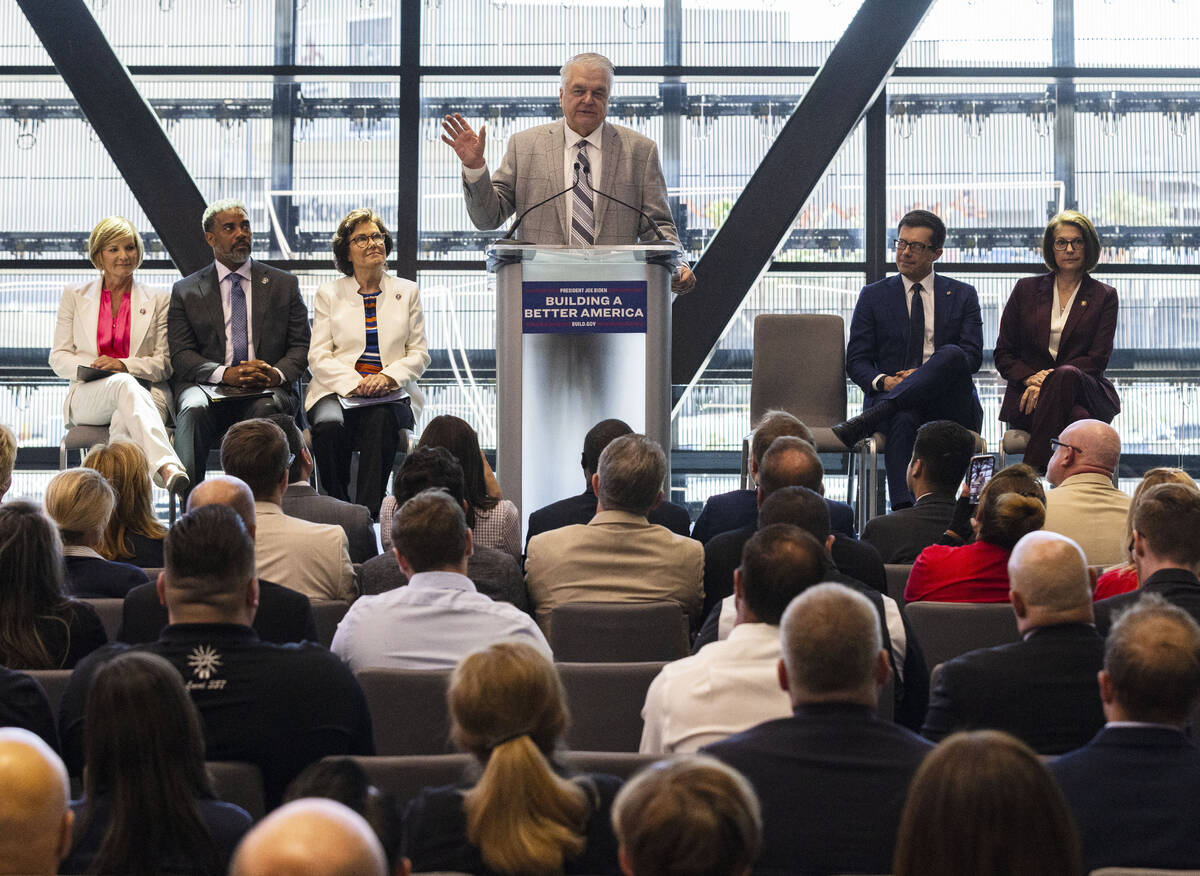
{"x":582,"y":335}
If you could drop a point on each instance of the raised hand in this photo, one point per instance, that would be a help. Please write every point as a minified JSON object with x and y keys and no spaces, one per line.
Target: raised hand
{"x":461,"y":137}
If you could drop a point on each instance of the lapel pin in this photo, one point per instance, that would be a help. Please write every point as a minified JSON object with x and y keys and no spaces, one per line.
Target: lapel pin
{"x":1083,"y":303}
{"x":142,"y":311}
{"x":397,"y":296}
{"x":263,"y":281}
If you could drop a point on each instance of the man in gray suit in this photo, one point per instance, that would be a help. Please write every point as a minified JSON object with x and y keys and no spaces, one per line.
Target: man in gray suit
{"x":603,"y":160}
{"x":234,"y":327}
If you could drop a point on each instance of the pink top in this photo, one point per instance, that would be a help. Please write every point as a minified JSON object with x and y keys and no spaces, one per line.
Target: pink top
{"x":112,"y":335}
{"x":976,"y":572}
{"x":1115,"y":582}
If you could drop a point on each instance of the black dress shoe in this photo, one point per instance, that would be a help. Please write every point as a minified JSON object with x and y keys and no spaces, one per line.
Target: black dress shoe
{"x":865,"y":424}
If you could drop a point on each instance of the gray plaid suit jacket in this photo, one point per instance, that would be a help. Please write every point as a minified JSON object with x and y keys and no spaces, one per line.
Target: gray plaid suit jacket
{"x":532,"y":169}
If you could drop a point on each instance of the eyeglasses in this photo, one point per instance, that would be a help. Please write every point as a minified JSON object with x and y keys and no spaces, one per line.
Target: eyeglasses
{"x":364,"y":239}
{"x":915,"y":245}
{"x":1055,"y":444}
{"x":1062,"y":244}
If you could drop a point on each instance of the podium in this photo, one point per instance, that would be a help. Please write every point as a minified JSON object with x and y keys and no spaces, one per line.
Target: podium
{"x":582,"y":335}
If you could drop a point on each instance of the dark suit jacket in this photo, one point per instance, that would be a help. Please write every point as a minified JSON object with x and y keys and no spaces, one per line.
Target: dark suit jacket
{"x":95,"y":578}
{"x":1135,"y":795}
{"x":582,"y":508}
{"x":23,"y":704}
{"x":900,"y":535}
{"x":1178,"y":586}
{"x":832,"y":781}
{"x":878,"y":341}
{"x":302,"y":501}
{"x":283,"y":616}
{"x":1041,"y":690}
{"x":735,"y":509}
{"x":1086,"y":343}
{"x":196,"y":325}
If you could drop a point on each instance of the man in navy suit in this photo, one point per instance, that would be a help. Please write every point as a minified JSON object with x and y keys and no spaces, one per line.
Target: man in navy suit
{"x":832,"y":777}
{"x":915,"y":341}
{"x":1041,"y":689}
{"x":1135,"y":788}
{"x":235,"y":326}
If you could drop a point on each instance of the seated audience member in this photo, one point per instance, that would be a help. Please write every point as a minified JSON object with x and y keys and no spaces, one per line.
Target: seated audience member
{"x":689,"y":816}
{"x":1123,"y":578}
{"x":739,"y":508}
{"x":495,"y":521}
{"x":1135,"y":789}
{"x":941,"y":453}
{"x":278,"y":706}
{"x":525,"y":814}
{"x":23,"y":703}
{"x":1084,"y":505}
{"x":311,"y":837}
{"x":8,"y":458}
{"x":301,"y":500}
{"x":1166,"y":551}
{"x":788,"y":462}
{"x":732,"y":684}
{"x":148,"y":804}
{"x":134,"y":534}
{"x":40,"y":626}
{"x":1041,"y":689}
{"x":312,"y":558}
{"x":1012,"y":505}
{"x":801,"y":507}
{"x":283,"y":615}
{"x":35,"y":809}
{"x":439,"y":617}
{"x":81,"y":502}
{"x":832,"y":774}
{"x":619,"y":556}
{"x":582,"y":508}
{"x":494,"y":572}
{"x":983,"y":803}
{"x":342,"y":779}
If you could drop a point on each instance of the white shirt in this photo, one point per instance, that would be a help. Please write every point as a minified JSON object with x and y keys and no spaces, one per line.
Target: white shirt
{"x":891,"y":614}
{"x":1058,"y":318}
{"x":927,"y":301}
{"x":571,"y":140}
{"x":431,"y":623}
{"x":725,"y":688}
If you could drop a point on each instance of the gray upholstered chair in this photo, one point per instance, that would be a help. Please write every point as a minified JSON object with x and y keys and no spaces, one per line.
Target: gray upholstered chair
{"x":606,"y":701}
{"x":408,"y":710}
{"x":618,"y":632}
{"x":948,"y":629}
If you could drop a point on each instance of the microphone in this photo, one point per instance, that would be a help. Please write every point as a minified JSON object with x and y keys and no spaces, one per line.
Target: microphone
{"x":587,"y":171}
{"x":521,"y":218}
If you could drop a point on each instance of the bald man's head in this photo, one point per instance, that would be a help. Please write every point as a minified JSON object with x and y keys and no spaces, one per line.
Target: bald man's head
{"x":35,"y":811}
{"x":1048,"y":581}
{"x":310,"y":837}
{"x":1089,"y":446}
{"x":225,"y":490}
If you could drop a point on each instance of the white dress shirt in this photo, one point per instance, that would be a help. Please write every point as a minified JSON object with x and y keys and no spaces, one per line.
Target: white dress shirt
{"x":432,"y":623}
{"x":571,"y":140}
{"x":727,"y":687}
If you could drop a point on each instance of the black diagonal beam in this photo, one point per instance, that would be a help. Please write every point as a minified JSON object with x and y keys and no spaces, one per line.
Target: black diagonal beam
{"x":843,"y":89}
{"x":125,"y":124}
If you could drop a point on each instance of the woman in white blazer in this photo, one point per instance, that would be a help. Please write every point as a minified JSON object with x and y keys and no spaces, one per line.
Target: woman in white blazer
{"x":116,"y":325}
{"x":367,"y":351}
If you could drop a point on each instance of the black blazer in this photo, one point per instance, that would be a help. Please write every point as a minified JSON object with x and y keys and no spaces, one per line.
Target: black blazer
{"x":1042,"y":690}
{"x":1022,"y":348}
{"x":97,"y":578}
{"x":283,"y":616}
{"x":900,"y":535}
{"x":1135,"y":796}
{"x":735,"y":509}
{"x":196,"y":325}
{"x":23,"y":704}
{"x":582,"y":508}
{"x":1178,"y":586}
{"x":832,"y":781}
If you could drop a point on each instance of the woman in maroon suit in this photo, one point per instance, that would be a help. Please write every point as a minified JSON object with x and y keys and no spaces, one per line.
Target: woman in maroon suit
{"x":1056,"y":335}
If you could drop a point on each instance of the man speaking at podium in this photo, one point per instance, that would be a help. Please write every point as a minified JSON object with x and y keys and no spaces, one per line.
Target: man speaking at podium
{"x":601,"y":184}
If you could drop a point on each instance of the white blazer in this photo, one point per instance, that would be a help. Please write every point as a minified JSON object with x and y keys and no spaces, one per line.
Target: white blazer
{"x":75,"y":337}
{"x":339,"y":337}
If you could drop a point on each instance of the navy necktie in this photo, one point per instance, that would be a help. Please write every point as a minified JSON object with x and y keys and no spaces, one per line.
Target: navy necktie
{"x":916,"y":330}
{"x":237,"y":320}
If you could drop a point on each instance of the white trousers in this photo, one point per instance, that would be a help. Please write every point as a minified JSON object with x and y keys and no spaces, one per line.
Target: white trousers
{"x":129,"y":411}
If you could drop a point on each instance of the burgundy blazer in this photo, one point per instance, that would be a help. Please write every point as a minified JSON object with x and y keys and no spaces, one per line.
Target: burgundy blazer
{"x":1087,"y":339}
